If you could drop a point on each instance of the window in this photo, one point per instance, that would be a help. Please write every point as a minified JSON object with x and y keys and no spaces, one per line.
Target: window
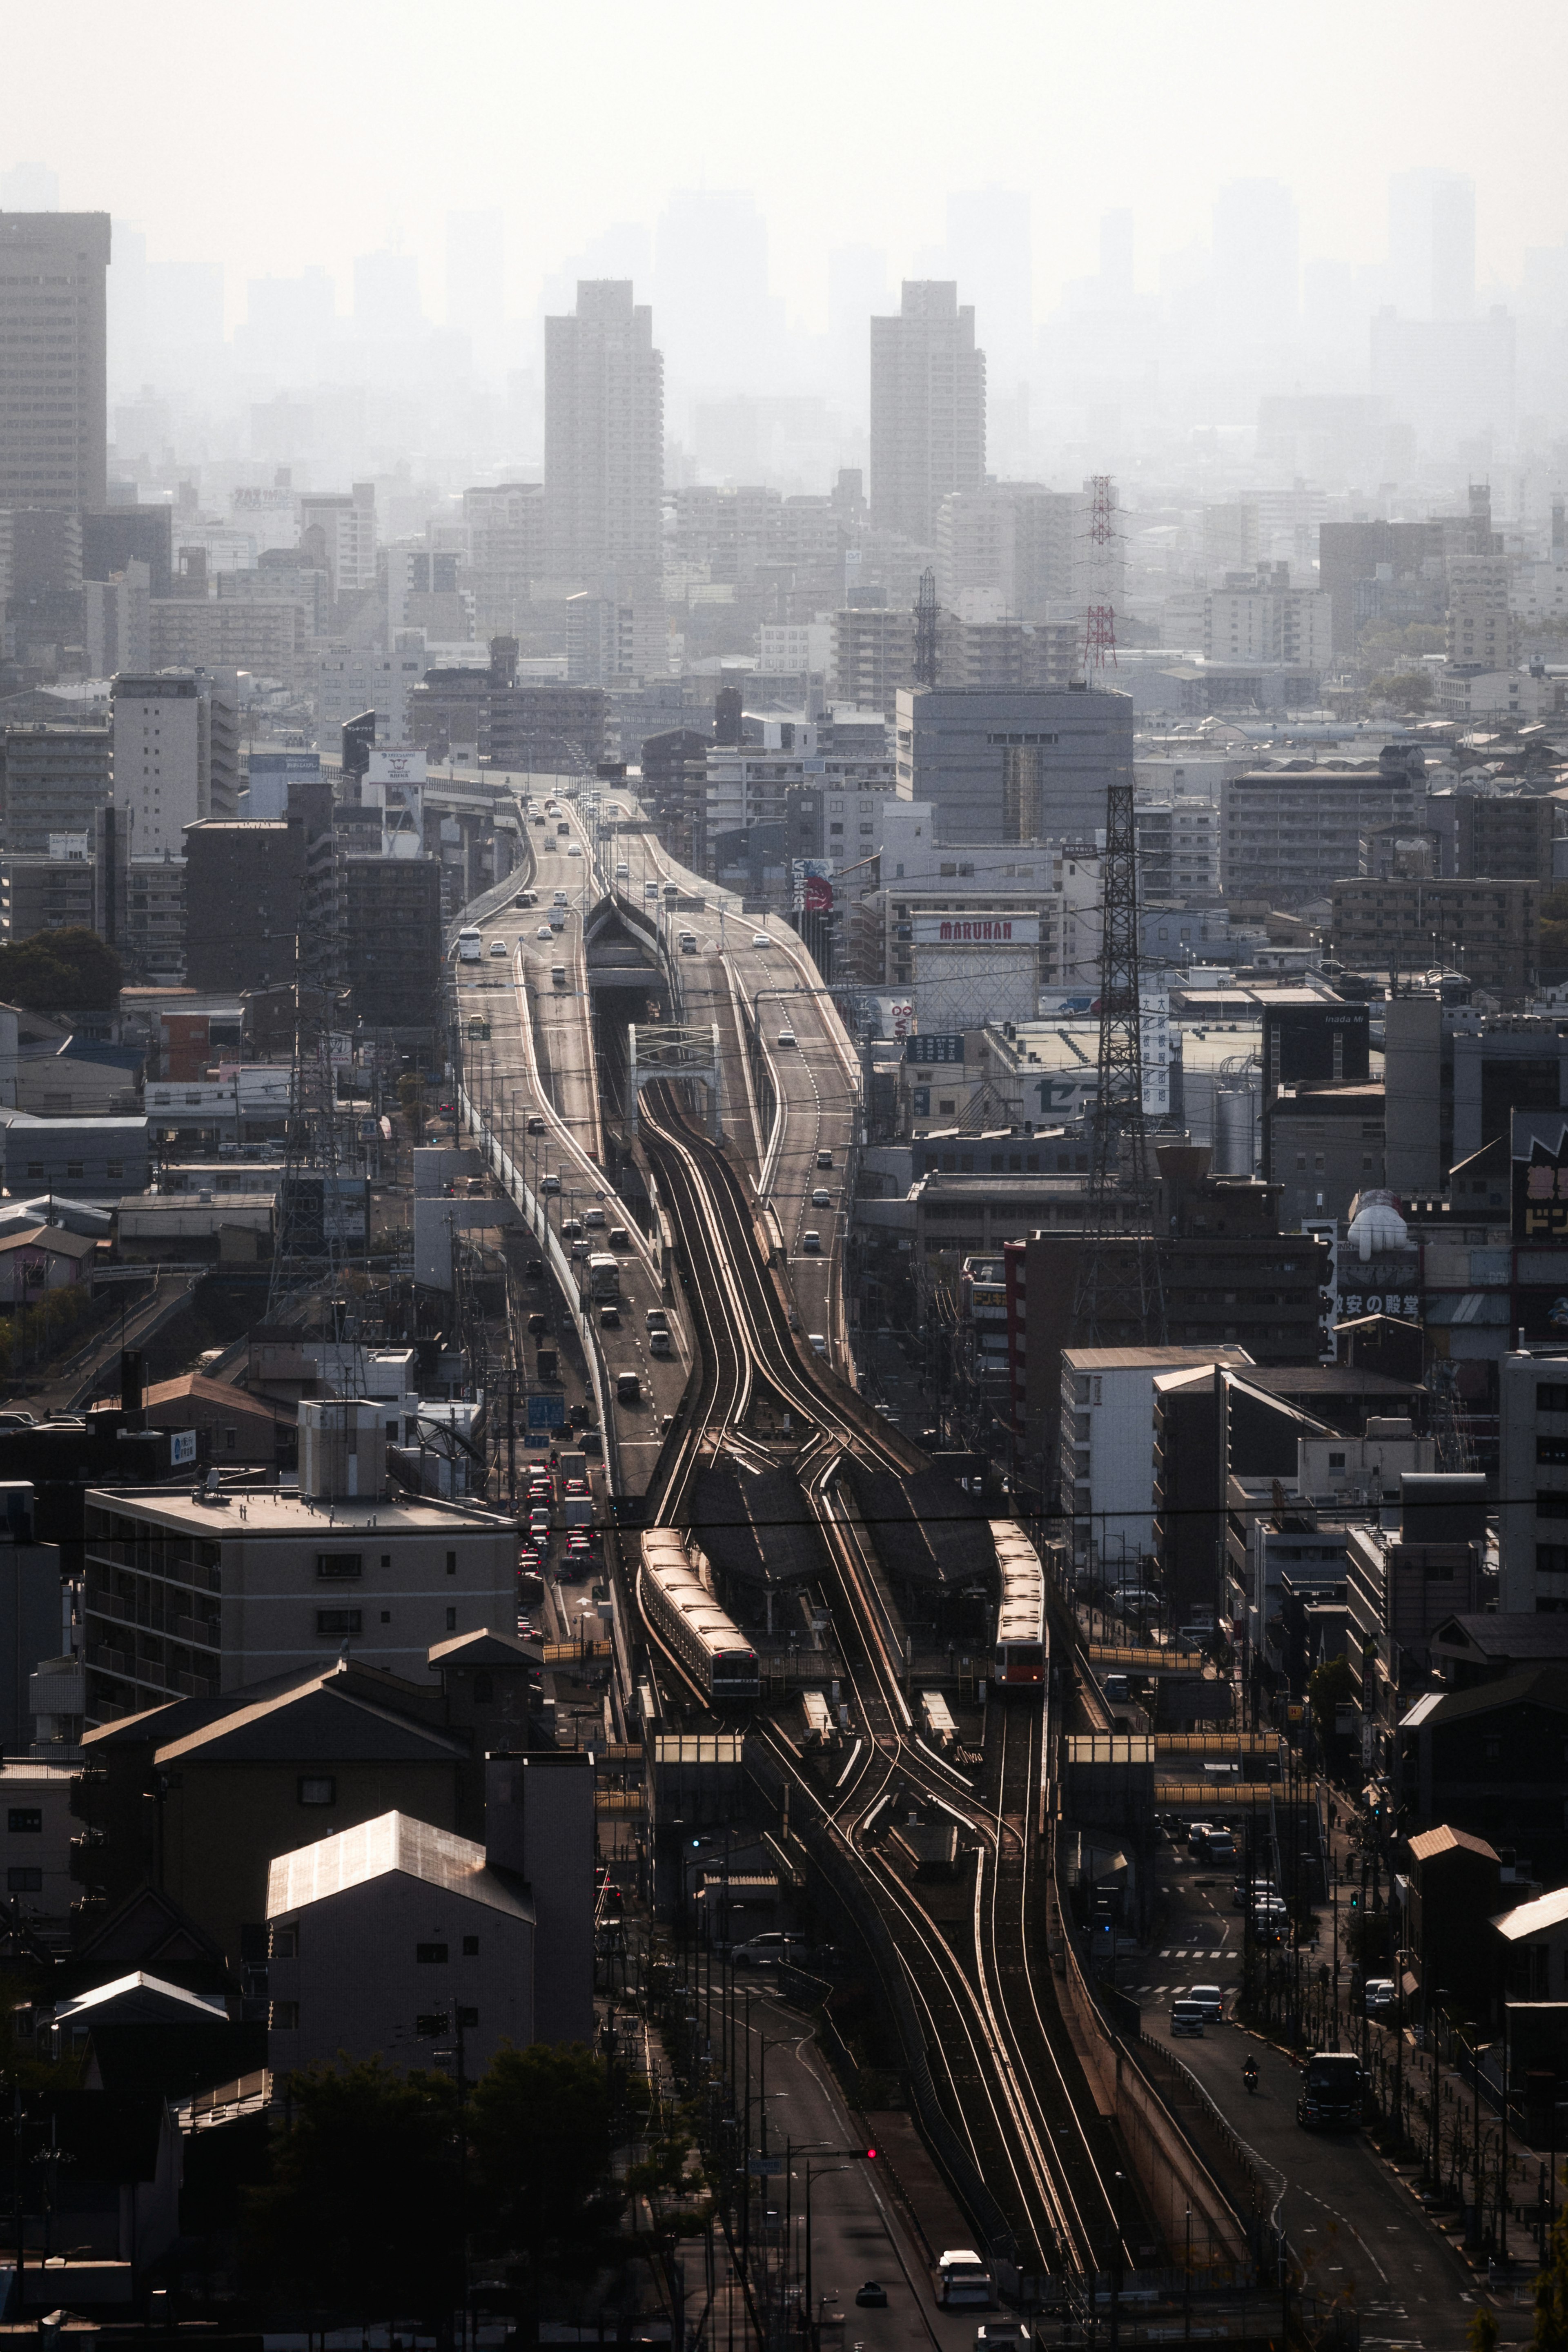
{"x":470,"y":1947}
{"x":432,"y":2023}
{"x":76,"y":1168}
{"x":387,"y":1616}
{"x":431,"y":1955}
{"x":347,"y":1620}
{"x":1551,"y":1449}
{"x":1550,"y":1397}
{"x":468,"y":2019}
{"x":114,"y":1168}
{"x":1551,"y":1559}
{"x":23,"y":1878}
{"x":1552,"y":1506}
{"x":333,"y":1566}
{"x":451,"y":1621}
{"x":283,"y":2016}
{"x":317,"y":1790}
{"x":25,"y":1821}
{"x":34,"y":1171}
{"x":230,"y":1439}
{"x":452,"y":1563}
{"x":1491,"y":1750}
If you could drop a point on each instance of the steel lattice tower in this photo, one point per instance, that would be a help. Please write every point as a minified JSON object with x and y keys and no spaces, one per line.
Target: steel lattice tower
{"x":1100,"y":623}
{"x":925,"y":630}
{"x":1121,"y":1297}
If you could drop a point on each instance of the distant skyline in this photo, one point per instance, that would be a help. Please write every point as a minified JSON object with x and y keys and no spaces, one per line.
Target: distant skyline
{"x":307,"y":138}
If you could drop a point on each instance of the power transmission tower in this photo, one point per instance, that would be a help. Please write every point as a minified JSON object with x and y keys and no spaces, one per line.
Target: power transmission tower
{"x":925,"y":630}
{"x":1121,"y":1297}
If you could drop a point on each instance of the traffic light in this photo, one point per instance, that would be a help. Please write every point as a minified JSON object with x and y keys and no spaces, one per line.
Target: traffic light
{"x":1355,"y":1898}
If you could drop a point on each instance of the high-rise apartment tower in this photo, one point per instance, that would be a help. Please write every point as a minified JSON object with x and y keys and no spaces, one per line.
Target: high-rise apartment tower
{"x":928,"y":408}
{"x":53,"y":360}
{"x":603,"y":442}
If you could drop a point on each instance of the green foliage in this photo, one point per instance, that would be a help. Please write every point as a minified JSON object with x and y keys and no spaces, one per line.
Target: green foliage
{"x":1407,"y":690}
{"x":411,"y":1096}
{"x":1383,"y":646}
{"x":1480,"y":2336}
{"x":1552,"y":2293}
{"x":68,"y":971}
{"x":541,"y":2142}
{"x":361,"y":2215}
{"x":1328,"y":1687}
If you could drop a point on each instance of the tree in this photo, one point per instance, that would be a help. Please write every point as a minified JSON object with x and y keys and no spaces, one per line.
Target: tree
{"x":1409,"y":690}
{"x":1480,"y":2336}
{"x":411,"y":1096}
{"x":541,"y":2142}
{"x":1552,"y":2293}
{"x":1328,"y":1687}
{"x":361,"y":2216}
{"x":68,"y":971}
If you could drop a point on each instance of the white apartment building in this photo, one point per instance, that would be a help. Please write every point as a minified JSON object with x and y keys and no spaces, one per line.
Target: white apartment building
{"x":1178,"y":850}
{"x":346,"y":523}
{"x":1483,"y":627}
{"x":1539,"y":591}
{"x":750,"y":783}
{"x":787,"y":647}
{"x":1266,"y":620}
{"x":1107,"y":1460}
{"x":928,"y":408}
{"x":349,"y":679}
{"x":162,"y":774}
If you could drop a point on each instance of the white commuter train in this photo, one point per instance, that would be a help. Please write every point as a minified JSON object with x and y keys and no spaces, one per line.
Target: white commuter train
{"x":684,"y":1613}
{"x":1021,"y":1650}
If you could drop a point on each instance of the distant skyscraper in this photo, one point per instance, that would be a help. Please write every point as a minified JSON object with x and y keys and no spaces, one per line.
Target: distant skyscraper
{"x":928,"y":408}
{"x":603,"y":442}
{"x":1432,"y":244}
{"x":53,"y":360}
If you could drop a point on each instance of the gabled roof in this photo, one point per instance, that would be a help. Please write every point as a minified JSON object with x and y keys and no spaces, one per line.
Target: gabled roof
{"x":1523,"y":1634}
{"x":483,"y":1647}
{"x":1545,"y":1686}
{"x":391,"y":1842}
{"x":1426,"y":1844}
{"x":142,"y":1999}
{"x":330,"y":1721}
{"x":1533,"y":1918}
{"x":52,"y":1239}
{"x":178,"y":1723}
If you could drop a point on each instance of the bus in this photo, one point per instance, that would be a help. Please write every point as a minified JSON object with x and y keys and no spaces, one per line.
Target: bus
{"x":604,"y":1275}
{"x":470,"y":945}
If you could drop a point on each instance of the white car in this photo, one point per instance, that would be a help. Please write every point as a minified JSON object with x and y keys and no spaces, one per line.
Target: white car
{"x":650,"y":889}
{"x":822,"y":1197}
{"x":818,"y":1342}
{"x":498,"y":947}
{"x":1380,"y":1995}
{"x":622,"y":872}
{"x":760,"y":939}
{"x":786,"y":1037}
{"x":544,"y":932}
{"x":574,"y":849}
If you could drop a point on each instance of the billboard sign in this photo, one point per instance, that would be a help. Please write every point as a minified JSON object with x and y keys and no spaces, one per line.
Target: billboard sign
{"x":182,"y":1446}
{"x":934,"y":1048}
{"x":1539,"y":1172}
{"x":817,"y":894}
{"x":396,"y":763}
{"x":546,"y":1412}
{"x":976,"y":930}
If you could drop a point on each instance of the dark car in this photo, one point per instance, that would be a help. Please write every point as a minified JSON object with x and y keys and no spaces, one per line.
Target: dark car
{"x":538,"y":1324}
{"x":872,"y":2297}
{"x":535,"y":1269}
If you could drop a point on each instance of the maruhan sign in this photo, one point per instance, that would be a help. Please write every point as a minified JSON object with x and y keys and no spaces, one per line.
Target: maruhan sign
{"x":976,"y":930}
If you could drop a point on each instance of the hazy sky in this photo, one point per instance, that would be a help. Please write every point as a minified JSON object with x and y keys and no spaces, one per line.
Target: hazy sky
{"x":270,"y":138}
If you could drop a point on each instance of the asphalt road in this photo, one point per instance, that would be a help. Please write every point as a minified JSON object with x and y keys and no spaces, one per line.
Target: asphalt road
{"x":1352,"y":2225}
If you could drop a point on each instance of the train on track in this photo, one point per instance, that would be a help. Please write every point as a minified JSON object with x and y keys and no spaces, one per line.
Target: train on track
{"x":1020,"y":1657}
{"x":682,"y":1612}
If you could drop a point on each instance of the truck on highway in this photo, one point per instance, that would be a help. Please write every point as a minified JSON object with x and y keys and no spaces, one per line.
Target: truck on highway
{"x":471,"y":947}
{"x":1334,"y":2094}
{"x":604,"y":1274}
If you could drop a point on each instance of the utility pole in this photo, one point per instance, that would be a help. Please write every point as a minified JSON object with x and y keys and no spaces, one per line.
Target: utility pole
{"x":1120,"y":1296}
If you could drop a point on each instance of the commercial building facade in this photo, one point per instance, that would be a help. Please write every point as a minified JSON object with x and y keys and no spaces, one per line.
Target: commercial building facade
{"x":54,"y":420}
{"x":1013,"y":767}
{"x":928,"y":408}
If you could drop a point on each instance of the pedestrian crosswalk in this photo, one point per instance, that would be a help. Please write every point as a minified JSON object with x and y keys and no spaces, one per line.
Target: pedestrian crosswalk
{"x":1195,"y":1952}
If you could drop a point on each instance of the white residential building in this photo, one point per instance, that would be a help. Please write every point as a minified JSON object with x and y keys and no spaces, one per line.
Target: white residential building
{"x":162,"y":774}
{"x":349,"y":679}
{"x":338,"y":529}
{"x":1107,"y":1464}
{"x":792,"y":647}
{"x":1266,"y":620}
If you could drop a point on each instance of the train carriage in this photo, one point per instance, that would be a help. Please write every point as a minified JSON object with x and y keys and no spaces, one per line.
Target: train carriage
{"x":1019,"y":1659}
{"x":681,"y":1609}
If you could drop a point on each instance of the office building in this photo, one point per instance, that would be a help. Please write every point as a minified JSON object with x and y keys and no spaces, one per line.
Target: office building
{"x":1178,"y":851}
{"x":54,"y":430}
{"x":1394,"y":571}
{"x":55,"y":779}
{"x":507,"y":552}
{"x":117,"y":621}
{"x":263,"y":635}
{"x":1489,"y":930}
{"x":389,"y":912}
{"x":928,"y":409}
{"x":1508,"y":837}
{"x":47,"y":891}
{"x":603,"y":442}
{"x":1016,"y":543}
{"x":120,"y":536}
{"x":1033,"y":765}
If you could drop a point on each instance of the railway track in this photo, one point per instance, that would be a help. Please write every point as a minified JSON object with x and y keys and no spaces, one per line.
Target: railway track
{"x":1008,"y":2109}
